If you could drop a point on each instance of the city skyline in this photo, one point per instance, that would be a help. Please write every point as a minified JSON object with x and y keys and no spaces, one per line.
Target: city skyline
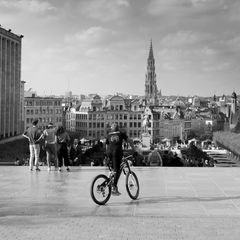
{"x":101,"y":46}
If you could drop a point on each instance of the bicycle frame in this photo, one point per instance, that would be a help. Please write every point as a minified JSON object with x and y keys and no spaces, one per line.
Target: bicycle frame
{"x":124,"y":164}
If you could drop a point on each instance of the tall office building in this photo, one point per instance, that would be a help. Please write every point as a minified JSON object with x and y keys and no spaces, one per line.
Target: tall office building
{"x":10,"y":83}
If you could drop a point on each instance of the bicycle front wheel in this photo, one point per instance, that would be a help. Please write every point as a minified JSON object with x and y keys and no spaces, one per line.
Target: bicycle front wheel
{"x":132,"y":185}
{"x":100,"y":189}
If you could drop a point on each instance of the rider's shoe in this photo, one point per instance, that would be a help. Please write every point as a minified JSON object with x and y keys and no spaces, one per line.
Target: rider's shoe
{"x":115,"y":191}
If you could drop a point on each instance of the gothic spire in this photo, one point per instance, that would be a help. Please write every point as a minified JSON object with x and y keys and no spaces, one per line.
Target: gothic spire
{"x":150,"y":56}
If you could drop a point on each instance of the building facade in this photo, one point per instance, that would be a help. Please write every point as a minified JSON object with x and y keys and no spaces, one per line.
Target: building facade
{"x":45,"y":109}
{"x":92,"y":118}
{"x":10,"y":83}
{"x":22,"y":114}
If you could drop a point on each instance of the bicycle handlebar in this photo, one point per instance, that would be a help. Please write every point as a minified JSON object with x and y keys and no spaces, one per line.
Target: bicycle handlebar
{"x":127,"y":157}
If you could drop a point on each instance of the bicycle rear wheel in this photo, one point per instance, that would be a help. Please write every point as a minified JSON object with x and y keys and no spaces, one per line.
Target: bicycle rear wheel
{"x":100,"y":189}
{"x":132,"y":185}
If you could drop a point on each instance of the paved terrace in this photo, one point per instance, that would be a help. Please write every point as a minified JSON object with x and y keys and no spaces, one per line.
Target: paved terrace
{"x":174,"y":203}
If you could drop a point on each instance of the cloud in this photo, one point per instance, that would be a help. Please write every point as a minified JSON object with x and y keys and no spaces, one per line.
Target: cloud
{"x":104,"y":10}
{"x":168,"y":66}
{"x":217,"y":67}
{"x":157,"y":7}
{"x":234,"y":11}
{"x":33,"y":6}
{"x":208,"y":3}
{"x":208,"y":51}
{"x":92,"y":42}
{"x":95,"y":34}
{"x":96,"y":52}
{"x":183,"y":39}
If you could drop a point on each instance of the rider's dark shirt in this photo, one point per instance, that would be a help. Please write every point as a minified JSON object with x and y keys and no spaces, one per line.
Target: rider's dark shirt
{"x":114,"y":141}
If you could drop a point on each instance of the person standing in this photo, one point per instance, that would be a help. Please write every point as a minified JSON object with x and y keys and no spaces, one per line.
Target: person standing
{"x":114,"y":151}
{"x":62,"y":148}
{"x":50,"y":145}
{"x":34,"y":135}
{"x":75,"y":153}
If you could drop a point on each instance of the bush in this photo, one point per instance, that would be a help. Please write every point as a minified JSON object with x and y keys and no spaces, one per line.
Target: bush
{"x":11,"y":151}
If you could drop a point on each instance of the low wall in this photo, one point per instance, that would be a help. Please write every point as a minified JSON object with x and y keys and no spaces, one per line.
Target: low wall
{"x":229,"y":141}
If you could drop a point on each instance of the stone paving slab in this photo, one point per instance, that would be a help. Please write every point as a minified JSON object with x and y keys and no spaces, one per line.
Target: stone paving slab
{"x":174,"y":203}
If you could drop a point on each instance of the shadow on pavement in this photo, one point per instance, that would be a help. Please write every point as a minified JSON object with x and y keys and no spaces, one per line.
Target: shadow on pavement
{"x":154,"y":200}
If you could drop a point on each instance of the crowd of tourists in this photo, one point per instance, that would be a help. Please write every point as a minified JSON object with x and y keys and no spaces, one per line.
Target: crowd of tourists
{"x":55,"y":143}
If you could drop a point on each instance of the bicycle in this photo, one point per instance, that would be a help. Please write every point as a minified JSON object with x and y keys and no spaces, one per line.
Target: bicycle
{"x":101,"y":187}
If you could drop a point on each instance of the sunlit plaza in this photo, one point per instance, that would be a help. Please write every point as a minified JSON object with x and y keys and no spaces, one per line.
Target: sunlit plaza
{"x":174,"y":203}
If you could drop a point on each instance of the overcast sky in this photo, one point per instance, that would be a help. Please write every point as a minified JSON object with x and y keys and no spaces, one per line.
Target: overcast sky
{"x":101,"y":46}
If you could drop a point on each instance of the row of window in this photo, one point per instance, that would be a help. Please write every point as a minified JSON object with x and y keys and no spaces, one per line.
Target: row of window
{"x":81,"y":124}
{"x":81,"y":116}
{"x":117,"y":107}
{"x":102,"y":125}
{"x":43,"y":103}
{"x":95,"y":134}
{"x":43,"y":111}
{"x":45,"y":120}
{"x":114,"y":117}
{"x":134,"y":133}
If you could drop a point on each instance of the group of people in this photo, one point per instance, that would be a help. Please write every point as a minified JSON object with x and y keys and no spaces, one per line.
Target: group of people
{"x":55,"y":142}
{"x":56,"y":145}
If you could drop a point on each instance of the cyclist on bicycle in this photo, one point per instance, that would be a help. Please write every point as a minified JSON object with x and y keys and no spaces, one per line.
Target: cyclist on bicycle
{"x":114,"y":151}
